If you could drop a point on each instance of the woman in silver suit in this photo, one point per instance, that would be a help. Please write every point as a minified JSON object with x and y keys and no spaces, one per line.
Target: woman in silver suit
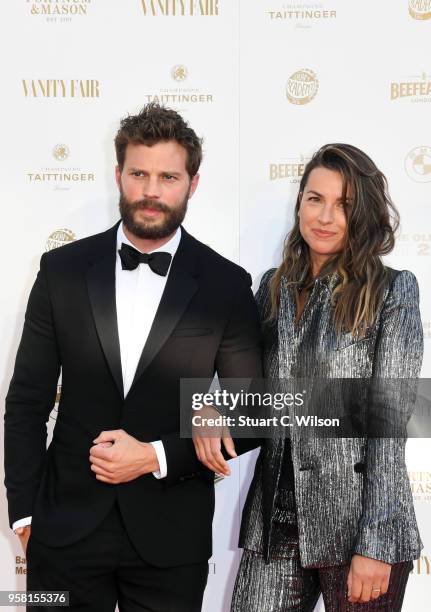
{"x":334,"y":515}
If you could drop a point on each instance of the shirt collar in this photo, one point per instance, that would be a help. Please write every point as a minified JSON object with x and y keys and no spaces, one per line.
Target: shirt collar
{"x":169,"y":247}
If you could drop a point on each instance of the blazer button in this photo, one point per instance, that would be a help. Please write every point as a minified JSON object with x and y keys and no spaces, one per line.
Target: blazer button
{"x":359,"y":467}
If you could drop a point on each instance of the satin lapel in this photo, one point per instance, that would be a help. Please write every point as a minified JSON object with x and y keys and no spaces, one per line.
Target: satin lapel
{"x":101,"y":290}
{"x":180,"y":288}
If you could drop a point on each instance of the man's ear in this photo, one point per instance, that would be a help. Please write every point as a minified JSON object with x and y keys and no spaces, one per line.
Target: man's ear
{"x":194,"y":184}
{"x":118,"y":176}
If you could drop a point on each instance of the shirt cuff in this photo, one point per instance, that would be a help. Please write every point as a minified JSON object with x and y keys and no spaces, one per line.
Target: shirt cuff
{"x":24,"y":522}
{"x":161,"y":458}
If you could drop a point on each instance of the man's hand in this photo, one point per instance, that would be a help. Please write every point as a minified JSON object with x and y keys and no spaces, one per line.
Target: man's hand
{"x":118,"y":457}
{"x":207,"y":440}
{"x":367,"y":579}
{"x":23,"y":533}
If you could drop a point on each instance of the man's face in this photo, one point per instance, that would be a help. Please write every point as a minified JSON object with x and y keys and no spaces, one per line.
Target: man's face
{"x":154,"y":189}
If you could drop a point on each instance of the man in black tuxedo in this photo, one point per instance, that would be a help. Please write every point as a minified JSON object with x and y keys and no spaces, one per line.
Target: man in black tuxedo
{"x":119,"y":505}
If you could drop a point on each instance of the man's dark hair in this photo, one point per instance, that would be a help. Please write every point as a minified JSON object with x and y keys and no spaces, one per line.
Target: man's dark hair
{"x":153,"y":124}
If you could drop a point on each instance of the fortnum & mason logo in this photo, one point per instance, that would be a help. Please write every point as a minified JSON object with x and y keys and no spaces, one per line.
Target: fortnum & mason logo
{"x":416,"y":89}
{"x":180,"y":95}
{"x":302,"y":86}
{"x":420,"y":9}
{"x":418,"y":164}
{"x":58,"y":10}
{"x":290,"y":169}
{"x":180,"y":8}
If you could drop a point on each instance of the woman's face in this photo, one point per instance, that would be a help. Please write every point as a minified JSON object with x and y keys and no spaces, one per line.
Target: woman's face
{"x":322,"y":217}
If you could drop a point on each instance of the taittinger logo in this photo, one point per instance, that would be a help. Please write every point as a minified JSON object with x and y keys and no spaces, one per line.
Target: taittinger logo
{"x":180,"y":8}
{"x":420,"y":9}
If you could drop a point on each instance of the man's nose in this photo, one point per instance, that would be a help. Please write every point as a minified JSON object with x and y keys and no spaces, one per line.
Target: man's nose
{"x":152,"y":189}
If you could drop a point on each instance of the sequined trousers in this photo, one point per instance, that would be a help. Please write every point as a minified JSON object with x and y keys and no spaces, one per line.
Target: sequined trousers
{"x":284,"y":585}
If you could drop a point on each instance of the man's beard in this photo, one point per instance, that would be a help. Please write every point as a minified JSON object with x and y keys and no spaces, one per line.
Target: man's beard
{"x":173,"y":217}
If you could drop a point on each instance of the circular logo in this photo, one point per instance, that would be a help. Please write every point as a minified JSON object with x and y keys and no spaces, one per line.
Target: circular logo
{"x":179,"y":73}
{"x":60,"y":152}
{"x":59,"y":238}
{"x":302,"y":86}
{"x":418,"y":164}
{"x":420,"y":9}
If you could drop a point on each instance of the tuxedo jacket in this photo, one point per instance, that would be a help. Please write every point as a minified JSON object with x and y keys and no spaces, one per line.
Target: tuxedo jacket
{"x":207,"y":322}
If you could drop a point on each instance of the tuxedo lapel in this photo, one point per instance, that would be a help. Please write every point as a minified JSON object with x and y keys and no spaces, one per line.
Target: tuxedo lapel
{"x":180,"y":288}
{"x":101,"y":290}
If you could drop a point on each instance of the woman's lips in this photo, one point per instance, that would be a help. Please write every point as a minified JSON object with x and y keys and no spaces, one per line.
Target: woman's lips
{"x":323,"y":233}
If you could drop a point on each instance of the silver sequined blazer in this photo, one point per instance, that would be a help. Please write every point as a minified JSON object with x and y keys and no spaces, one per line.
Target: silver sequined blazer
{"x":352,"y":494}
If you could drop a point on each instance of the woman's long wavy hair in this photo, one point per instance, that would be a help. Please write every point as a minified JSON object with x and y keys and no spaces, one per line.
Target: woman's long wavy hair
{"x":372,"y":220}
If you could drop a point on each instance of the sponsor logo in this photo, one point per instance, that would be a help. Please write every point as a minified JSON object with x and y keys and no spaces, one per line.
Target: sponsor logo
{"x":420,"y":483}
{"x":181,"y":8}
{"x":58,"y":10}
{"x":178,"y":95}
{"x":57,"y":239}
{"x":415,"y":244}
{"x":60,"y":177}
{"x":418,"y":164}
{"x":60,"y":88}
{"x":302,"y":15}
{"x":290,"y":169}
{"x":420,"y":9}
{"x":415,"y":88}
{"x":60,"y":152}
{"x":302,"y":86}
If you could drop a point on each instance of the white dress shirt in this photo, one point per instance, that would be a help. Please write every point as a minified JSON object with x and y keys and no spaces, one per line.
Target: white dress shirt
{"x":138,"y":293}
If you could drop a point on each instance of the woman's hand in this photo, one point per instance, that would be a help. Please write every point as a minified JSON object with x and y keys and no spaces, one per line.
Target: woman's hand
{"x":207,"y":439}
{"x":367,"y":579}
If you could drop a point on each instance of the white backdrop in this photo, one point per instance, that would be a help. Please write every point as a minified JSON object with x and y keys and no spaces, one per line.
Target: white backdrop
{"x":266,"y":82}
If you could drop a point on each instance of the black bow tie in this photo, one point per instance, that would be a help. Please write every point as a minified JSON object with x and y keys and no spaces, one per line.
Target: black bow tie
{"x":159,"y":261}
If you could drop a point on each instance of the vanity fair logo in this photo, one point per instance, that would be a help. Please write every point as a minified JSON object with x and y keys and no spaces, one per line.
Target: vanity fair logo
{"x":60,"y":88}
{"x":180,"y":95}
{"x":302,"y":14}
{"x":302,"y":86}
{"x":418,"y":164}
{"x":60,"y":178}
{"x":416,"y":88}
{"x":290,"y":169}
{"x":420,"y":9}
{"x":181,"y":8}
{"x":420,"y":484}
{"x":62,"y":9}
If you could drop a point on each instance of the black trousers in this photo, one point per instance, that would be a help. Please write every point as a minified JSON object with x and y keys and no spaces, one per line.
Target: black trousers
{"x":104,"y":568}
